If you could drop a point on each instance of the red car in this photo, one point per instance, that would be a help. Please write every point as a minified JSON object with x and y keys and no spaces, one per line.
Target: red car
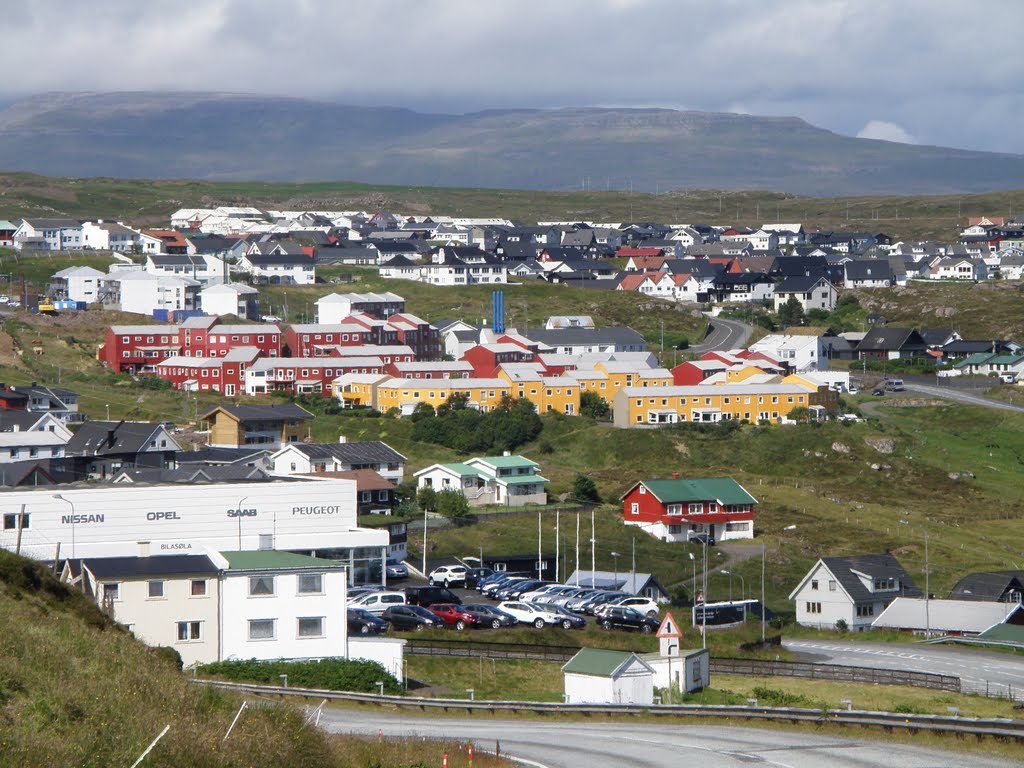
{"x":453,"y":616}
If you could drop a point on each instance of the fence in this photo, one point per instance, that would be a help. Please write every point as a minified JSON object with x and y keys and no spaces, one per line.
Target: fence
{"x":468,"y":648}
{"x":835,"y":672}
{"x":888,"y":721}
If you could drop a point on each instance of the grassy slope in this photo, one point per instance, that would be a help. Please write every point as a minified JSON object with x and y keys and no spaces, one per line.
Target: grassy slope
{"x":150,"y":202}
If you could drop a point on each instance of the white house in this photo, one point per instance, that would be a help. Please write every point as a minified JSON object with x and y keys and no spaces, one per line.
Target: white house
{"x":78,"y":284}
{"x":48,"y":235}
{"x":509,"y":480}
{"x":599,"y":676}
{"x":957,"y":268}
{"x":277,"y":605}
{"x":168,"y":600}
{"x":811,"y":292}
{"x":207,"y":268}
{"x":335,"y":307}
{"x":804,"y":353}
{"x":109,"y":236}
{"x":237,"y":299}
{"x":278,"y":268}
{"x":142,"y":293}
{"x":343,"y":456}
{"x":853,"y":590}
{"x":32,"y":444}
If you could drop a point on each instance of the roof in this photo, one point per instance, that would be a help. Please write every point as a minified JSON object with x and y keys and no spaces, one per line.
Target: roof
{"x":366,"y":479}
{"x":723,"y":489}
{"x":98,"y":438}
{"x":875,"y":566}
{"x":944,"y":615}
{"x":269,"y":559}
{"x":799,"y":284}
{"x":880,"y":338}
{"x":599,"y":662}
{"x":369,"y":452}
{"x":556,"y":337}
{"x":987,"y":585}
{"x":261,"y":412}
{"x":145,"y":567}
{"x":210,"y":455}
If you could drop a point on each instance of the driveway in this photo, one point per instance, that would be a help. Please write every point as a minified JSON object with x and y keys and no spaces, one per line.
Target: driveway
{"x":723,"y":335}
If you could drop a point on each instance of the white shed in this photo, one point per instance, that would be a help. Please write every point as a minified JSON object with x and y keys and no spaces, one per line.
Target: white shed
{"x":689,"y":671}
{"x":598,"y":676}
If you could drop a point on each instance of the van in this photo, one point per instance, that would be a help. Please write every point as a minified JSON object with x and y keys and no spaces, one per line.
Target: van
{"x":428,"y":596}
{"x":377,"y":602}
{"x":894,"y":385}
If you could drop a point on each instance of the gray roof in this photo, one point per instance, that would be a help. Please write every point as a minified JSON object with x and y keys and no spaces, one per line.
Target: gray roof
{"x":556,"y":337}
{"x":144,"y":567}
{"x":881,"y":338}
{"x":212,"y":456}
{"x":262,"y":412}
{"x":799,"y":284}
{"x":370,"y":452}
{"x":192,"y":473}
{"x":875,"y":566}
{"x":988,"y":585}
{"x":99,"y":438}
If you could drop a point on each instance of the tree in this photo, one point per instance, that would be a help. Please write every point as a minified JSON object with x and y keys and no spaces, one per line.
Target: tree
{"x":452,"y":504}
{"x":593,"y":405}
{"x":426,"y":498}
{"x":791,"y":313}
{"x":584,"y":489}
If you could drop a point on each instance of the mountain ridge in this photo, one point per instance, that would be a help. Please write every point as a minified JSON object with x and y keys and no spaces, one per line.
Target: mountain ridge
{"x":230,"y":136}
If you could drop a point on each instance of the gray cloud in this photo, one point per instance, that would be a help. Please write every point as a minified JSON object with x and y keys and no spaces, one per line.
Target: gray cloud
{"x":837,"y":63}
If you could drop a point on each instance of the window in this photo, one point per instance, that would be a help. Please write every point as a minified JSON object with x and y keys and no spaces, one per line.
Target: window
{"x":311,"y":626}
{"x":865,"y":610}
{"x":885,"y":584}
{"x":156,"y":589}
{"x":261,"y":586}
{"x":814,"y":607}
{"x":643,"y":489}
{"x":831,"y":585}
{"x":674,"y":509}
{"x":311,"y":583}
{"x":696,"y":509}
{"x":11,"y":520}
{"x":382,"y":495}
{"x":365,"y":496}
{"x":198,"y":587}
{"x":190,"y":630}
{"x":814,"y":584}
{"x":262,"y":629}
{"x":634,"y":508}
{"x":111,"y":591}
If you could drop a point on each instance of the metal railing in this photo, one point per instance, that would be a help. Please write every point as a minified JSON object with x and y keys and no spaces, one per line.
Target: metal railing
{"x":980,"y":727}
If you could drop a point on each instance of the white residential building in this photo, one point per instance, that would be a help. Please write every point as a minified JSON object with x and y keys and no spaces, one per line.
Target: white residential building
{"x":803,"y":353}
{"x":33,"y":444}
{"x":335,"y":307}
{"x":109,"y":236}
{"x":508,"y":480}
{"x":142,"y":293}
{"x":78,"y":284}
{"x":235,"y":299}
{"x":48,"y":235}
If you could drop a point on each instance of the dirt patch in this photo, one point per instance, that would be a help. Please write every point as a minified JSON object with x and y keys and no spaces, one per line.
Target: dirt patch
{"x":8,"y":352}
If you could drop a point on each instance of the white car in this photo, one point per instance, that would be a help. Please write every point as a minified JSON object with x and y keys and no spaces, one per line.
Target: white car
{"x":641,"y":604}
{"x":537,"y":595}
{"x":853,"y":390}
{"x":4,"y":299}
{"x":14,"y":304}
{"x":377,"y":602}
{"x":447,"y":575}
{"x":526,"y":613}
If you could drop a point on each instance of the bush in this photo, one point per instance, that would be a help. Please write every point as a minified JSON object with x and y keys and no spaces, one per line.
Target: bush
{"x":452,"y":505}
{"x":454,"y":425}
{"x":357,"y":675}
{"x":169,"y":655}
{"x":584,"y":489}
{"x":594,"y":406}
{"x":426,"y":498}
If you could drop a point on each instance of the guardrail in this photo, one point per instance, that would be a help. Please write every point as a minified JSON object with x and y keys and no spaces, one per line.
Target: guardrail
{"x":722,"y":666}
{"x":980,"y":727}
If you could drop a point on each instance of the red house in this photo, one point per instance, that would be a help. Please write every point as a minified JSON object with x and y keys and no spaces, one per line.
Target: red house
{"x":693,"y":372}
{"x":312,"y":340}
{"x":680,"y":509}
{"x":417,"y":333}
{"x":487,"y":358}
{"x":225,"y":374}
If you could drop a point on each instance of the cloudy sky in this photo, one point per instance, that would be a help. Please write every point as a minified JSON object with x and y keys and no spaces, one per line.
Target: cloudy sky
{"x":923,"y":71}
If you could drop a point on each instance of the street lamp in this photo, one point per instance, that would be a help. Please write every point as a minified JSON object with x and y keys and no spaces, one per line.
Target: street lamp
{"x":238,"y":512}
{"x":927,"y":586}
{"x":743,"y":585}
{"x":693,"y":581}
{"x":108,"y":411}
{"x":69,"y":501}
{"x":615,"y":579}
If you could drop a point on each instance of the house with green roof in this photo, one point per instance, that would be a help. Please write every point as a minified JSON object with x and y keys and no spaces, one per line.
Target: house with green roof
{"x":680,"y":509}
{"x":507,"y":480}
{"x":986,"y":364}
{"x":600,"y":676}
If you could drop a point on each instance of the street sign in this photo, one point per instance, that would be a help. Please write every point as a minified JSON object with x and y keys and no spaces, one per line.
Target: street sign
{"x":669,"y":628}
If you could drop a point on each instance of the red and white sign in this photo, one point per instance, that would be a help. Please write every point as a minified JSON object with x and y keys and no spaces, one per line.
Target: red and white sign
{"x":669,"y":629}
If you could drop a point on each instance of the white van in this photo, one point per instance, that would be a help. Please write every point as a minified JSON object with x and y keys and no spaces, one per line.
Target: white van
{"x":894,"y":385}
{"x":377,"y":602}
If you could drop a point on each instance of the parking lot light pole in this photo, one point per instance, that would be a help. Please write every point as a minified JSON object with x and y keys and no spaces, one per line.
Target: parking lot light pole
{"x":73,"y":516}
{"x":615,"y":579}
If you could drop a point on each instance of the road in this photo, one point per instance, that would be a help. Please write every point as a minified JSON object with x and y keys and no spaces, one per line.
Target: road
{"x":651,"y":745}
{"x":976,"y":669}
{"x":962,"y":396}
{"x":724,"y":335}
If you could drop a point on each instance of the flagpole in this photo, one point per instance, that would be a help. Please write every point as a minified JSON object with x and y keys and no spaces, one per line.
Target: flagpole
{"x":577,"y":549}
{"x":557,"y":543}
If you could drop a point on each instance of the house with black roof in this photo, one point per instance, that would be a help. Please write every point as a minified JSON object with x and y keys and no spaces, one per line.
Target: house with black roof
{"x":888,"y":343}
{"x":258,"y":426}
{"x":868,"y":273}
{"x":990,"y":586}
{"x":853,"y":590}
{"x":343,"y":456}
{"x":100,"y":449}
{"x":38,"y":398}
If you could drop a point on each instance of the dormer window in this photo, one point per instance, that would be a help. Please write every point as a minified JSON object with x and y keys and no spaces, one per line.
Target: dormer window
{"x":883,"y":585}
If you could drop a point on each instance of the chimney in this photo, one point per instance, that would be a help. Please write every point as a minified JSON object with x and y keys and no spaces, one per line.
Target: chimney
{"x":675,"y":476}
{"x":342,"y":439}
{"x":506,"y":453}
{"x":143,"y":548}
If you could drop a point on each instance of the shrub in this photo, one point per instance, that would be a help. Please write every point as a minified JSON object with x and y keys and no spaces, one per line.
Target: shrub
{"x":169,"y":655}
{"x":584,"y":489}
{"x":452,"y":505}
{"x":357,"y":675}
{"x":593,"y":405}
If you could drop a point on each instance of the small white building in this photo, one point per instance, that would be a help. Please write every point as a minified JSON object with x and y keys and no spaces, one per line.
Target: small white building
{"x":599,"y":676}
{"x":810,"y":292}
{"x":803,"y":353}
{"x":277,"y":605}
{"x":335,"y":307}
{"x":853,"y":590}
{"x":947,"y":617}
{"x":35,"y":444}
{"x":109,"y":236}
{"x":78,"y":284}
{"x":236,"y":299}
{"x":142,"y":293}
{"x":48,"y":235}
{"x":509,"y":480}
{"x":343,"y":456}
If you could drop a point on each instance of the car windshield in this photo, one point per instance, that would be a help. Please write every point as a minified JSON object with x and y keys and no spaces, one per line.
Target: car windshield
{"x":359,"y":613}
{"x":419,"y":610}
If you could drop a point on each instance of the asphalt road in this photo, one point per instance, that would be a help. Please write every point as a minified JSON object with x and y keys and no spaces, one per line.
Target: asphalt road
{"x":961,"y":396}
{"x":724,"y":335}
{"x":975,"y":668}
{"x":652,"y":745}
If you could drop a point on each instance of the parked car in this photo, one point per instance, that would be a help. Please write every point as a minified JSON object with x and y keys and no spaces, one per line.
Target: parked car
{"x":594,"y":604}
{"x":474,"y":576}
{"x":628,"y":618}
{"x":564,"y":598}
{"x":14,"y":304}
{"x":362,"y":622}
{"x":354,"y":592}
{"x":853,"y":390}
{"x":701,"y":538}
{"x":517,"y":589}
{"x":453,"y":615}
{"x":414,"y":617}
{"x":448,"y":575}
{"x":527,"y":613}
{"x":492,"y":586}
{"x":428,"y":596}
{"x":877,"y":392}
{"x":577,"y":604}
{"x":377,"y":602}
{"x":396,"y":569}
{"x":489,"y":616}
{"x":569,"y":620}
{"x":642,"y":604}
{"x":894,"y":385}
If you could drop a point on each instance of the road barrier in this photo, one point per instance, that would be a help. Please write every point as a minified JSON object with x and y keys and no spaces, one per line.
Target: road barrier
{"x":1001,"y":729}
